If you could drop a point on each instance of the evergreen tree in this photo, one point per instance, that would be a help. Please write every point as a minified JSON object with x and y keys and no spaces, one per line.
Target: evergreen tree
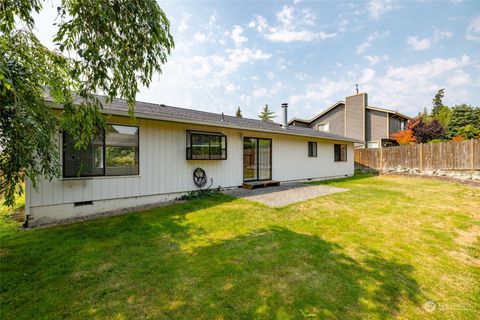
{"x":266,"y":114}
{"x":438,"y":103}
{"x":463,"y":115}
{"x":238,"y":114}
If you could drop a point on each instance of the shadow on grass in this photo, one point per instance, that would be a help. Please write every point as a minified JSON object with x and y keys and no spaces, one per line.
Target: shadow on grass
{"x":137,"y":266}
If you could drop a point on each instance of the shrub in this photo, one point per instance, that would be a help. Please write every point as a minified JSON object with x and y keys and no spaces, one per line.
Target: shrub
{"x":436,"y":141}
{"x":468,"y":132}
{"x":403,"y":137}
{"x":426,"y":130}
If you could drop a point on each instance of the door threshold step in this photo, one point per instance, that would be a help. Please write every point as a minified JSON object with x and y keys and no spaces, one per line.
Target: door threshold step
{"x":260,"y":184}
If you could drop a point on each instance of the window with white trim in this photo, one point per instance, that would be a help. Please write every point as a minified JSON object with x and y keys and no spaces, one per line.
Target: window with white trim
{"x":324,"y":126}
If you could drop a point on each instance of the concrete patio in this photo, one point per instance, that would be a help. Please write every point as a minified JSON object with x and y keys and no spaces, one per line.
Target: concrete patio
{"x":285,"y":194}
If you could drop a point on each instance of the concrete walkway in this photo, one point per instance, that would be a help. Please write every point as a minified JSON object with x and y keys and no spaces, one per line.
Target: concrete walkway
{"x":284,"y":194}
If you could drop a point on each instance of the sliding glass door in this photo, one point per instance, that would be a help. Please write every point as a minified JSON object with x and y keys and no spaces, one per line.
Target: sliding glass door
{"x":257,"y":159}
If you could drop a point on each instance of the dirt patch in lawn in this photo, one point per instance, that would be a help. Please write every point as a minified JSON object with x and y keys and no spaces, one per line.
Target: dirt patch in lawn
{"x":469,"y":236}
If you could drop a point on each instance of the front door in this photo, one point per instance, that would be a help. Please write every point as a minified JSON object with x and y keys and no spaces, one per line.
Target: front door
{"x":257,"y":159}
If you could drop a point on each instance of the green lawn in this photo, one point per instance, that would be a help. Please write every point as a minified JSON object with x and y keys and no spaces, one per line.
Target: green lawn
{"x":379,"y":251}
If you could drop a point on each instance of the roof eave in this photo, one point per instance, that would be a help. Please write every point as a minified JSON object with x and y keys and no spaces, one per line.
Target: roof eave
{"x":206,"y":123}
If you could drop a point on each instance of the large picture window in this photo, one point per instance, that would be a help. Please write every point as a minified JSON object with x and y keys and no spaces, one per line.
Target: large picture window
{"x":114,"y":153}
{"x":340,"y":152}
{"x":206,"y":146}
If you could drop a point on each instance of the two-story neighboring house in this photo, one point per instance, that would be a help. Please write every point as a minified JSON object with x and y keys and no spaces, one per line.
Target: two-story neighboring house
{"x":354,"y":118}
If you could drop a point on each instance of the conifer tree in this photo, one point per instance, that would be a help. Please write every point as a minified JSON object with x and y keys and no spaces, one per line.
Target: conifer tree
{"x":266,"y":114}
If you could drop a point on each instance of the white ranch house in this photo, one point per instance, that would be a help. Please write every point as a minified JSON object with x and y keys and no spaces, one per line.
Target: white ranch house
{"x":153,"y":160}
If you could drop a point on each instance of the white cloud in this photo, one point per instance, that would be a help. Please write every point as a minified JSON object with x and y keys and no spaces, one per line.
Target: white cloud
{"x":285,"y":16}
{"x":212,"y":19}
{"x":373,"y":60}
{"x":371,"y":37}
{"x":302,"y":76}
{"x":304,"y":35}
{"x":208,"y":82}
{"x":377,"y":8}
{"x":419,"y":44}
{"x":259,"y":92}
{"x":408,"y":88}
{"x":318,"y":94}
{"x":237,"y":36}
{"x":230,"y":87}
{"x":367,"y":75}
{"x":264,"y":92}
{"x":441,"y":34}
{"x":293,"y":25}
{"x":237,"y":57}
{"x":199,"y":37}
{"x":183,"y":25}
{"x":458,"y":78}
{"x":259,"y":23}
{"x":473,"y":30}
{"x":428,"y":69}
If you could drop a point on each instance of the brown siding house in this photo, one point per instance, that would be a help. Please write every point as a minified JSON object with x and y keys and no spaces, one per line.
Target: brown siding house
{"x":354,"y":118}
{"x":335,"y":118}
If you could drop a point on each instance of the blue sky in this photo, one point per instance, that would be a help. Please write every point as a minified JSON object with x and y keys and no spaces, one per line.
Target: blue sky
{"x":312,"y":53}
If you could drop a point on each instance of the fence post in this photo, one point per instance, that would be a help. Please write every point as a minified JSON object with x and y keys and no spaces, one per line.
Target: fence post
{"x":472,"y":156}
{"x":381,"y":158}
{"x":421,"y":157}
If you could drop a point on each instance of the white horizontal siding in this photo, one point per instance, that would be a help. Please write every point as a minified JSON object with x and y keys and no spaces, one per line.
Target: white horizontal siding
{"x":164,"y":168}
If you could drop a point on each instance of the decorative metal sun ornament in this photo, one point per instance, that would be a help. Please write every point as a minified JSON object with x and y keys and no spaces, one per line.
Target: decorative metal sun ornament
{"x":199,"y":177}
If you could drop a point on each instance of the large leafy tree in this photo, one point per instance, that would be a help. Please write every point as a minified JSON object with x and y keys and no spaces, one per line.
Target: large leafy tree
{"x":111,"y":47}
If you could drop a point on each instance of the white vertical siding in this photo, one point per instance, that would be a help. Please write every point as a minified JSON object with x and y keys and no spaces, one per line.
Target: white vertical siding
{"x":164,"y":168}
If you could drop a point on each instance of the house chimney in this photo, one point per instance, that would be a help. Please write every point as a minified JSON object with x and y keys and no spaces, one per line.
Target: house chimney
{"x":356,"y":87}
{"x":285,"y":115}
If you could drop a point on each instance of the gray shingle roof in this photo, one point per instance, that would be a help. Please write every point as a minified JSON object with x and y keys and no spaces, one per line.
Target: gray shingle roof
{"x":176,"y":114}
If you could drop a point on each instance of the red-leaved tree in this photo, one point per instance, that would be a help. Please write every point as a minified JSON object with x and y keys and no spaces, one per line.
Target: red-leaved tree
{"x":403,"y":137}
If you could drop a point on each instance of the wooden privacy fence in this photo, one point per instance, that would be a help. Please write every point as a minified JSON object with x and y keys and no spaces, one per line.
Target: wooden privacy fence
{"x":448,"y":156}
